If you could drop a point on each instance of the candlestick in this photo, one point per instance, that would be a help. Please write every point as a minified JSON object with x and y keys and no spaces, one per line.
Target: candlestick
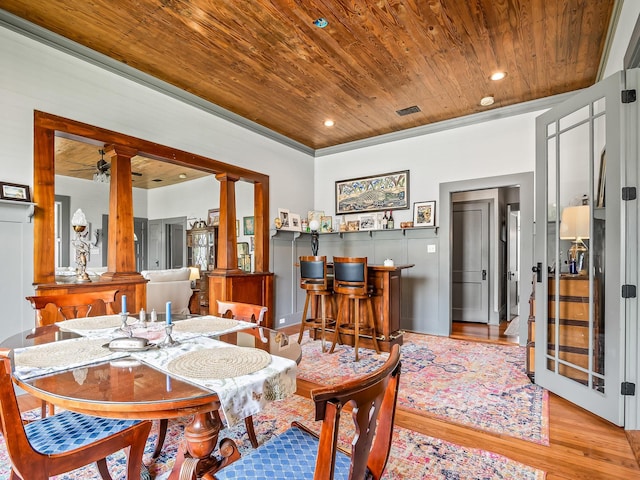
{"x":124,"y":303}
{"x":168,"y":313}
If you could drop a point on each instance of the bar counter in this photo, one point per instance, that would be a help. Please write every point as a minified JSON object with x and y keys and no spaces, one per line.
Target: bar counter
{"x":387,"y":296}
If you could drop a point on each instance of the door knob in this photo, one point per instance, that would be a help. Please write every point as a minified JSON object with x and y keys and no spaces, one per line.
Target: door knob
{"x":484,"y":274}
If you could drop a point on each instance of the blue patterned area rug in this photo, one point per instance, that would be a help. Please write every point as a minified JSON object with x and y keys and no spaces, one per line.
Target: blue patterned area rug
{"x":475,"y":384}
{"x":413,"y":455}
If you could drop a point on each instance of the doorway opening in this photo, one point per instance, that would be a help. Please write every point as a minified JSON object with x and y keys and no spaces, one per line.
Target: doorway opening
{"x":509,"y":226}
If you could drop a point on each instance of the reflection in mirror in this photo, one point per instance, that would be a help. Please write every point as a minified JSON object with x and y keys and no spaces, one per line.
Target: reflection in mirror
{"x":83,"y":181}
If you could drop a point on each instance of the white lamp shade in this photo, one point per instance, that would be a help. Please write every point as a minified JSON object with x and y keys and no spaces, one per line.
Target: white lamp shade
{"x":194,"y":273}
{"x":575,"y":222}
{"x":79,"y":219}
{"x":314,"y":225}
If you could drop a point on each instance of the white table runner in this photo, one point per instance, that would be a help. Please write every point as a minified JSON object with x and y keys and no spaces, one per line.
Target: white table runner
{"x":241,"y":396}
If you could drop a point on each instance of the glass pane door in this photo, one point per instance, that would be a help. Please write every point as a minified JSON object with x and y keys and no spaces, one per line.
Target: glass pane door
{"x":577,"y":180}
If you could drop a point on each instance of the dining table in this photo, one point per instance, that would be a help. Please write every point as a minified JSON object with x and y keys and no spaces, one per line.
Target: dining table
{"x":197,"y":367}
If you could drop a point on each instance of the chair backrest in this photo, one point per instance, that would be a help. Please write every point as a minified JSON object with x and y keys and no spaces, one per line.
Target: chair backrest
{"x":350,"y":275}
{"x":55,"y":308}
{"x":15,"y":437}
{"x":373,"y":400}
{"x":242,"y":311}
{"x":313,"y":273}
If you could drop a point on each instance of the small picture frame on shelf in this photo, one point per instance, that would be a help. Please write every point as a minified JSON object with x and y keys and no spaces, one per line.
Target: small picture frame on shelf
{"x":213,"y":217}
{"x":353,"y":225}
{"x":326,"y":224}
{"x":248,"y":223}
{"x":315,"y":215}
{"x":15,"y":192}
{"x":367,"y":222}
{"x":294,"y":222}
{"x":283,"y":215}
{"x":424,"y":214}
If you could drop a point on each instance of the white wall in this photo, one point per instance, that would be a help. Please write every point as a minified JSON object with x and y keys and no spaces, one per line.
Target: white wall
{"x":499,"y":147}
{"x":37,"y":77}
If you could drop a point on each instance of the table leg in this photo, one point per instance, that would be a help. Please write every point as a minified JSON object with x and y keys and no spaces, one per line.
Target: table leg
{"x":194,"y":459}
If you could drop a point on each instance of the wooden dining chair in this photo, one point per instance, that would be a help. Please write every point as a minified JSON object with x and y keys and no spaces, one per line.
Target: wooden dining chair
{"x":56,"y":308}
{"x":242,"y":311}
{"x":318,"y":286}
{"x":66,"y":441}
{"x":350,"y":283}
{"x":299,"y":453}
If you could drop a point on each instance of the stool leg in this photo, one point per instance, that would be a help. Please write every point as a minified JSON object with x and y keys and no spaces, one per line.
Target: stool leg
{"x":356,"y":326}
{"x":304,"y":318}
{"x":324,"y":320}
{"x":372,"y":320}
{"x":336,"y":333}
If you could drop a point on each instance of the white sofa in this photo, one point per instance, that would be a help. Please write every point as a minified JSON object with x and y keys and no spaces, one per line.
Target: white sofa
{"x":168,"y":286}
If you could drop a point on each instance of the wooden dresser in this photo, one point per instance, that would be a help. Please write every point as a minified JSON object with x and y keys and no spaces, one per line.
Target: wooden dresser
{"x":573,"y":335}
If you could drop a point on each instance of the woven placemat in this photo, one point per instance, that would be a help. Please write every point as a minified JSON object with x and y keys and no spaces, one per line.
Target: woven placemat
{"x":83,"y":350}
{"x":217,"y":363}
{"x":204,"y":325}
{"x":94,"y":323}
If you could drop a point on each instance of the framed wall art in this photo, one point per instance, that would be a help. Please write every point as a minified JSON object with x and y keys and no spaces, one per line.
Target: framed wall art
{"x":376,"y":193}
{"x":367,"y":222}
{"x":283,"y":215}
{"x":13,"y":191}
{"x":326,"y":224}
{"x":424,"y":214}
{"x":248,"y":225}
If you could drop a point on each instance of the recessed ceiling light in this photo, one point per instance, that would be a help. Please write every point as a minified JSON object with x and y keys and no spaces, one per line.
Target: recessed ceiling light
{"x":498,"y":76}
{"x":320,"y":22}
{"x":183,"y":175}
{"x":329,"y":123}
{"x":486,"y":101}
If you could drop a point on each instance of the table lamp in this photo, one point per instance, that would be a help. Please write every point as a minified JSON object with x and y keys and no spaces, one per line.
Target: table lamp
{"x":194,"y":274}
{"x":574,"y":226}
{"x":315,"y":240}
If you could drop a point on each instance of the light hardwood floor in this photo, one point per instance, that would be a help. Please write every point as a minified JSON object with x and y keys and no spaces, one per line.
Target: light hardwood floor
{"x":582,"y":446}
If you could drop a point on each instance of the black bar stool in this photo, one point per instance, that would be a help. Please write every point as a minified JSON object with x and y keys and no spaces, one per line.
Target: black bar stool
{"x":314,"y":279}
{"x":350,"y":283}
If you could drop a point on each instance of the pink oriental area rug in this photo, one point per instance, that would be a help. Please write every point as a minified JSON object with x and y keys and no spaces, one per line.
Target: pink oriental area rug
{"x":480,"y":385}
{"x":413,"y":455}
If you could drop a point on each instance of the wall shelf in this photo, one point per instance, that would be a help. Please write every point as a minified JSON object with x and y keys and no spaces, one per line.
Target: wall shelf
{"x":16,"y":212}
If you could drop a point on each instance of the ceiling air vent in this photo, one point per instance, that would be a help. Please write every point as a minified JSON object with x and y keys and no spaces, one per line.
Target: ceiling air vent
{"x":408,"y":111}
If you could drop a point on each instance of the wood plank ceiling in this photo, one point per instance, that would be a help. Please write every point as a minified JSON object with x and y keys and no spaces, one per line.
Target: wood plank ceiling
{"x":265,"y":60}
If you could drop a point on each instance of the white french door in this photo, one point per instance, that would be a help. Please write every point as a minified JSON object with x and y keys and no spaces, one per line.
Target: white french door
{"x":581,"y":236}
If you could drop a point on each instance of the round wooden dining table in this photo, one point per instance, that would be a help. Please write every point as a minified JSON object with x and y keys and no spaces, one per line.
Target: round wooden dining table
{"x":132,"y":389}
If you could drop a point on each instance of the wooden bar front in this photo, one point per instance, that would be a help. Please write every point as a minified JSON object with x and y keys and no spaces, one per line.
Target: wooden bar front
{"x":387,"y":300}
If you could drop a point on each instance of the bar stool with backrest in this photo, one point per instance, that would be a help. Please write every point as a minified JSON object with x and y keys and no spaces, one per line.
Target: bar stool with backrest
{"x":350,"y":283}
{"x":318,"y":285}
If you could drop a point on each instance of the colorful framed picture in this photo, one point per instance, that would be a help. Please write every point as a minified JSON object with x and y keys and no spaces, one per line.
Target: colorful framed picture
{"x":424,"y":214}
{"x":326,"y":224}
{"x":353,"y":226}
{"x":248,"y":225}
{"x":13,"y":191}
{"x":376,"y":193}
{"x":367,"y":222}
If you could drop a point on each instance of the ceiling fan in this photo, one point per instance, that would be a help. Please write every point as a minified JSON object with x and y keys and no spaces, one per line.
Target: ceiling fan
{"x":102,"y":174}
